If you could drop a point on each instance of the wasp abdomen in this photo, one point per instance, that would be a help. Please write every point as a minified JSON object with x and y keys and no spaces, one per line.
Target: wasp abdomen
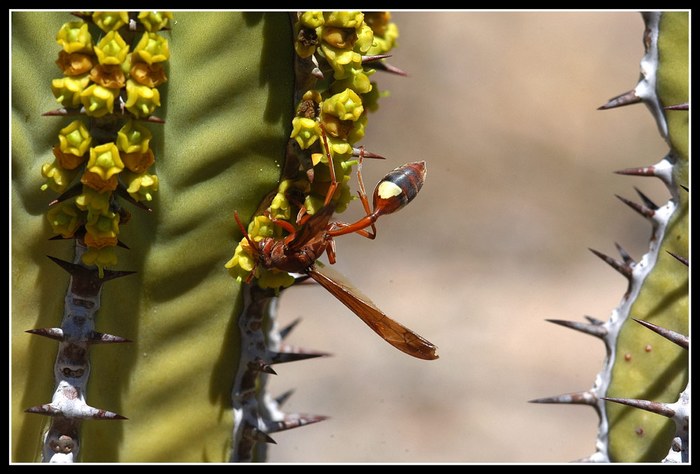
{"x":398,"y":188}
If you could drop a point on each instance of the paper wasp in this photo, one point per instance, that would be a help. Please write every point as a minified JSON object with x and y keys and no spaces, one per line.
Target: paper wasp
{"x":299,"y":250}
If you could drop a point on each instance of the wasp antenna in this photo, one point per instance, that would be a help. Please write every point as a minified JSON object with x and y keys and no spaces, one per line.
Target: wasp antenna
{"x":626,"y":98}
{"x":587,"y":328}
{"x":575,"y":398}
{"x":677,"y":338}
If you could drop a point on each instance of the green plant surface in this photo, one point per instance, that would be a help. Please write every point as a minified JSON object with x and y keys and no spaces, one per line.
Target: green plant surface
{"x":227,"y":110}
{"x":648,"y":367}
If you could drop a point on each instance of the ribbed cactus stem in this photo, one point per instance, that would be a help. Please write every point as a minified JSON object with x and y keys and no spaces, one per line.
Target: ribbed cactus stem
{"x":76,"y":334}
{"x":644,"y":379}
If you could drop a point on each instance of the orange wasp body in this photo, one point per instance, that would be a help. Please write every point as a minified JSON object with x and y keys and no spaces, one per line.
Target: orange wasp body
{"x":298,"y":251}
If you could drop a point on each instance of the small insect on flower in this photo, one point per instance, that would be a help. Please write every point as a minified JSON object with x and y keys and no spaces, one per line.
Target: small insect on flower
{"x":304,"y":244}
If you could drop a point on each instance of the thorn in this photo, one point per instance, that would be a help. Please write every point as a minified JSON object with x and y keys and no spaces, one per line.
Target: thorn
{"x":282,"y":399}
{"x":683,"y":106}
{"x":261,"y":366}
{"x":374,"y":57}
{"x":386,"y":67}
{"x":366,"y":154}
{"x":261,"y":436}
{"x":103,"y":338}
{"x":623,"y":269}
{"x":627,"y":98}
{"x":51,"y":333}
{"x":641,"y":171}
{"x":687,"y":189}
{"x":673,"y":336}
{"x":595,"y":321}
{"x":122,"y":245}
{"x":284,"y":332}
{"x":295,"y":421}
{"x":592,"y":329}
{"x":683,"y":260}
{"x":292,"y":355}
{"x":153,"y":119}
{"x":654,"y":407}
{"x":83,"y":412}
{"x":576,"y":398}
{"x":647,"y":202}
{"x":71,"y":192}
{"x":78,"y":270}
{"x":122,"y":192}
{"x":629,"y":261}
{"x":640,"y":208}
{"x":62,"y":112}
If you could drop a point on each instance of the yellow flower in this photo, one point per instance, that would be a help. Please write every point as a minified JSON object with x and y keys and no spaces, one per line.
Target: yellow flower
{"x":74,"y":139}
{"x":57,"y":177}
{"x":102,"y":229}
{"x":311,"y":19}
{"x":141,"y":186}
{"x":74,"y":37}
{"x":68,"y":89}
{"x":103,"y":257}
{"x":93,"y":201}
{"x":152,"y":48}
{"x":305,"y":131}
{"x":98,"y":101}
{"x":346,"y":105}
{"x":111,"y":49}
{"x":110,"y":21}
{"x":344,"y":19}
{"x":65,"y":218}
{"x":141,"y":101}
{"x":154,"y":21}
{"x":133,"y":138}
{"x":102,"y":167}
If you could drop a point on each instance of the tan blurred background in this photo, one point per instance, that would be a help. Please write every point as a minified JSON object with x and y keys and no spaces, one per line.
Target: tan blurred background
{"x":502,"y":106}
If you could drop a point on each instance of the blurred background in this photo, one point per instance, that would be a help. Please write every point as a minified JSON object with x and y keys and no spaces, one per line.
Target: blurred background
{"x":502,"y":106}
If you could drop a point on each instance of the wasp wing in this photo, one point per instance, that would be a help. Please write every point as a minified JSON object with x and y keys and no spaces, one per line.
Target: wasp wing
{"x":311,"y":227}
{"x":392,"y":332}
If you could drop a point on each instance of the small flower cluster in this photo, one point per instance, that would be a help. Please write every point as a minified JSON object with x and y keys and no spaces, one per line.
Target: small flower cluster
{"x":339,"y":42}
{"x":112,"y":148}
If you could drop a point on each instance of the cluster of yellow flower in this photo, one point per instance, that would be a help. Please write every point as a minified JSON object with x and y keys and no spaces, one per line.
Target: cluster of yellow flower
{"x":340,"y":47}
{"x":96,"y":77}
